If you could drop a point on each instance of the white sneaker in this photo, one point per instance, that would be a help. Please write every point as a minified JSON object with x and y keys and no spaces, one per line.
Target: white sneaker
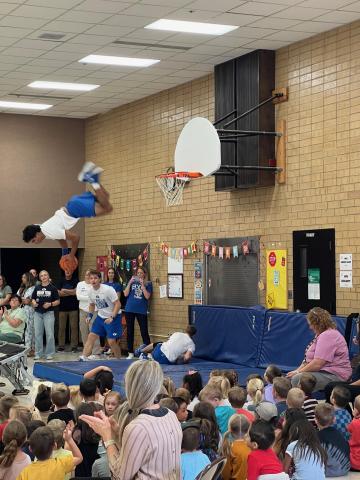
{"x":49,"y":357}
{"x":130,"y":356}
{"x":83,"y":358}
{"x":94,"y":357}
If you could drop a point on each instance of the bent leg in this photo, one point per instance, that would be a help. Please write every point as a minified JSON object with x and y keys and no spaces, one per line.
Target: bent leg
{"x":103,"y":205}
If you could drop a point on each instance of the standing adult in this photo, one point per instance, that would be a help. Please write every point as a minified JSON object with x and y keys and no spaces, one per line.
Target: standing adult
{"x":327,"y":355}
{"x":25,"y":291}
{"x":12,"y":321}
{"x":68,"y":310}
{"x":147,"y":436}
{"x":44,"y":298}
{"x":5,"y":291}
{"x":108,"y":321}
{"x":138,"y":293}
{"x":113,"y":281}
{"x":82,"y":294}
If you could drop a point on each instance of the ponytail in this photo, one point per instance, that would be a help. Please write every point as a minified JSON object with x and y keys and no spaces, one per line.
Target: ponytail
{"x":14,"y":437}
{"x":228,"y":440}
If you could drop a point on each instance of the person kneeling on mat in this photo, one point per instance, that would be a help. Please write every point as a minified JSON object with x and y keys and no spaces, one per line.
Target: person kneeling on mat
{"x":178,"y":349}
{"x":108,"y":321}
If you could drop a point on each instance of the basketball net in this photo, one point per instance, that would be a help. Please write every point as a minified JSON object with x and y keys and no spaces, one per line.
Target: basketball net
{"x":172,"y":188}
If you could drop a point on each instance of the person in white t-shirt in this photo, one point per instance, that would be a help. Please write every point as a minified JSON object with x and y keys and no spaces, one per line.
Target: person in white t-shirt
{"x":85,"y":205}
{"x":178,"y":349}
{"x":82,"y":294}
{"x":108,"y":321}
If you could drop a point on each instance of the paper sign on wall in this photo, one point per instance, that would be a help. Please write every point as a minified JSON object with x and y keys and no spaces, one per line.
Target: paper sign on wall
{"x":346,"y":262}
{"x":346,"y":279}
{"x":276,"y":279}
{"x":175,"y":265}
{"x":163,"y":291}
{"x":314,"y":283}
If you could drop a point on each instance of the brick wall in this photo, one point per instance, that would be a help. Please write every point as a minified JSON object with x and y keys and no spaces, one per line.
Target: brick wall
{"x":135,"y":142}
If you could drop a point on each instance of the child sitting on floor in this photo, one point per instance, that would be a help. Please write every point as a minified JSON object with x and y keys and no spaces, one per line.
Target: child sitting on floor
{"x":255,"y":391}
{"x":112,"y":401}
{"x":281,"y":387}
{"x":306,"y":452}
{"x":223,"y":412}
{"x":6,"y":403}
{"x":271,"y":372}
{"x":334,"y":444}
{"x":193,"y":461}
{"x":237,"y":399}
{"x":42,"y":444}
{"x":307,"y":384}
{"x":354,"y":431}
{"x":13,"y":460}
{"x":235,"y":449}
{"x":60,"y":397}
{"x":192,"y":381}
{"x":262,"y":460}
{"x":295,"y":398}
{"x":58,"y":427}
{"x":340,"y":398}
{"x":43,"y":401}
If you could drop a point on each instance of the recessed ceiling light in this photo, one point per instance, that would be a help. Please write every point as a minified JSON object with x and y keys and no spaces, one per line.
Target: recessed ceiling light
{"x":24,"y":106}
{"x":121,"y":61}
{"x":191,"y":27}
{"x":82,"y":87}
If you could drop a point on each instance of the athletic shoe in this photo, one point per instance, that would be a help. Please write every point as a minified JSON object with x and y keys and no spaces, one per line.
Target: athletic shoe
{"x":82,"y":358}
{"x":130,"y":356}
{"x":139,"y":350}
{"x":143,"y":356}
{"x":94,"y":357}
{"x":61,"y":349}
{"x":90,"y":173}
{"x":49,"y":357}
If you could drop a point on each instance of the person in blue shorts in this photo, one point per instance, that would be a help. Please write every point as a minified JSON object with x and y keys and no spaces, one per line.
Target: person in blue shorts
{"x":85,"y":205}
{"x":108,"y":321}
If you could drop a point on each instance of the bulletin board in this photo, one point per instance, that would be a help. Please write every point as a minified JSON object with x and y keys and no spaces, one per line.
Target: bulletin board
{"x":276,"y":279}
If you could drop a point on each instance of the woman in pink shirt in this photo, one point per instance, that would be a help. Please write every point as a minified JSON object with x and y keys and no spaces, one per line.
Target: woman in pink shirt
{"x":327,"y":355}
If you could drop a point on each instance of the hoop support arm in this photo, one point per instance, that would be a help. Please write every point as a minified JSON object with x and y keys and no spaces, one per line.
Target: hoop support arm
{"x":244,"y":133}
{"x":234,"y":169}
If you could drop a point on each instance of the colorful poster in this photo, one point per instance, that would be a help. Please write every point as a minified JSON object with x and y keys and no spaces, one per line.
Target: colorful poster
{"x":198,"y":283}
{"x":101,"y":266}
{"x":276,"y":279}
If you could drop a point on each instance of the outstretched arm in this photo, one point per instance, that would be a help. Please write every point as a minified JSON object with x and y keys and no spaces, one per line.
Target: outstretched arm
{"x":74,"y":239}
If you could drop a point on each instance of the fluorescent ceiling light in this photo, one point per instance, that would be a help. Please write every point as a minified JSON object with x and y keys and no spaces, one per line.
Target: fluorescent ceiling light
{"x":122,"y":61}
{"x":82,"y":87}
{"x":24,"y":106}
{"x":190,"y":27}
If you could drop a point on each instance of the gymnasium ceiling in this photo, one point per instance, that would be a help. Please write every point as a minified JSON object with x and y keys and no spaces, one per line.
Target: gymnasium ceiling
{"x":92,"y":26}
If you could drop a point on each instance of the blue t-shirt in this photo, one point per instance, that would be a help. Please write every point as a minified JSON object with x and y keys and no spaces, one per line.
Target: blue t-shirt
{"x":306,"y":466}
{"x":136,"y":302}
{"x":116,"y":286}
{"x":223,"y":414}
{"x":192,"y":463}
{"x":342,"y":420}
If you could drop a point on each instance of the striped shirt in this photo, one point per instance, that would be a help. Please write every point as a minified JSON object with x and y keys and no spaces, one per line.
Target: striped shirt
{"x":309,"y":409}
{"x":151,"y":448}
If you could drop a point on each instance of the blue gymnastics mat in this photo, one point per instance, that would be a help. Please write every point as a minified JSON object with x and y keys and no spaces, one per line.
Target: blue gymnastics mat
{"x":71,"y":373}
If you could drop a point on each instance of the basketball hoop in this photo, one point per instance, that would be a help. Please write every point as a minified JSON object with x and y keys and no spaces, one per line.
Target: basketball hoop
{"x":172,"y":185}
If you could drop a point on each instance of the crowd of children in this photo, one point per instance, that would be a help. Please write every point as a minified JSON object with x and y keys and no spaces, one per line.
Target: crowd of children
{"x":268,"y":430}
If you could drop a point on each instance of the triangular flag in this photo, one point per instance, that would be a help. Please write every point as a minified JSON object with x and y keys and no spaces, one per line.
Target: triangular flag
{"x":221,"y":252}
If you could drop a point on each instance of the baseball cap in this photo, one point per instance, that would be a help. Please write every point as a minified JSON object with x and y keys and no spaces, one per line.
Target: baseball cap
{"x":266,"y":411}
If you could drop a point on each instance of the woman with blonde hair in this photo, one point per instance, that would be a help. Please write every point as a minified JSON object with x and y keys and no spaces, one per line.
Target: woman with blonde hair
{"x":142,"y":439}
{"x":327,"y":355}
{"x":255,"y":390}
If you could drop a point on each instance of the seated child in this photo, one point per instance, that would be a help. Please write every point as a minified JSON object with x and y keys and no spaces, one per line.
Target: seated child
{"x":271,"y":372}
{"x":232,"y":376}
{"x":340,"y":398}
{"x":192,"y":381}
{"x":255,"y":391}
{"x":295,"y":398}
{"x":112,"y":401}
{"x":354,"y":431}
{"x":237,"y":399}
{"x":307,"y":384}
{"x":60,"y":397}
{"x":223,"y":412}
{"x":86,"y":439}
{"x":43,"y":401}
{"x":193,"y":461}
{"x":209,"y":431}
{"x":42,"y":445}
{"x":178,"y":349}
{"x":33,"y":425}
{"x":13,"y":460}
{"x":184,"y":394}
{"x":169,"y":403}
{"x":222,"y":383}
{"x":6,"y":403}
{"x":235,"y":449}
{"x":21,"y":413}
{"x":262,"y":460}
{"x":169,"y":385}
{"x":104,"y":379}
{"x":306,"y":452}
{"x":267,"y":411}
{"x":58,"y":428}
{"x":182,"y":413}
{"x":101,"y":466}
{"x":334,"y":444}
{"x":281,"y":387}
{"x":291,"y":415}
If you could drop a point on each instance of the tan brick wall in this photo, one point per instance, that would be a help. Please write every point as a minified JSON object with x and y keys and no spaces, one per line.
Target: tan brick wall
{"x":135,"y":142}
